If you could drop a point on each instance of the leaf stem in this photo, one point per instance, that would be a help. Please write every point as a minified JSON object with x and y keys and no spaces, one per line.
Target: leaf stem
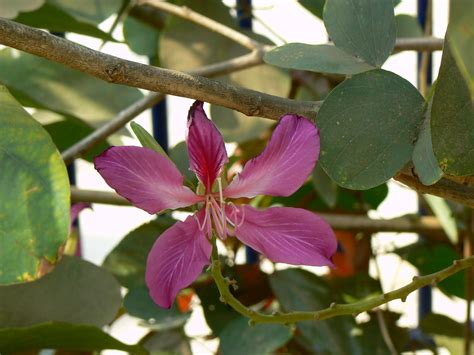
{"x":334,"y":309}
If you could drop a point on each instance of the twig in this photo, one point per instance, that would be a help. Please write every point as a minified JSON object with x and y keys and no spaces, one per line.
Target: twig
{"x":428,"y":224}
{"x":334,"y":309}
{"x":445,"y":188}
{"x":385,"y":334}
{"x":84,"y":145}
{"x":119,"y":71}
{"x":210,"y":24}
{"x":126,"y":115}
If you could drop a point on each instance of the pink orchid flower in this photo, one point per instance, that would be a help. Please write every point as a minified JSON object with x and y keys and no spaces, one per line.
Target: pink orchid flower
{"x":152,"y":182}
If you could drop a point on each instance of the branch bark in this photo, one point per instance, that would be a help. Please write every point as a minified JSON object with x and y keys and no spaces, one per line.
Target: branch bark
{"x":126,"y":115}
{"x":427,"y":225}
{"x":120,"y":71}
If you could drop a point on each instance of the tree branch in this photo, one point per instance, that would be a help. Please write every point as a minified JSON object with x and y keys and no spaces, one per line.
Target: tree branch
{"x":428,"y":225}
{"x":119,"y":71}
{"x":126,"y":115}
{"x":334,"y":309}
{"x":449,"y":189}
{"x":210,"y":24}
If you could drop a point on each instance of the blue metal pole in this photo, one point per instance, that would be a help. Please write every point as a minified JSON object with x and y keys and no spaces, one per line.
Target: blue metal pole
{"x":244,"y":18}
{"x":425,"y":294}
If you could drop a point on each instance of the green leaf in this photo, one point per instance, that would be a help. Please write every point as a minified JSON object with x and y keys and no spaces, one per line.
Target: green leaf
{"x":64,"y":336}
{"x":91,"y":11}
{"x":432,"y":258}
{"x":69,"y":131}
{"x":461,"y":35}
{"x":452,"y":119}
{"x":424,"y":160}
{"x":168,"y":342}
{"x":252,"y":340}
{"x":62,"y":295}
{"x":179,"y":155}
{"x":34,"y":188}
{"x":216,"y":313}
{"x":363,"y":28}
{"x":445,"y":216}
{"x":324,"y":186}
{"x":209,"y":47}
{"x":442,"y":325}
{"x":299,"y":290}
{"x":408,"y":26}
{"x":138,"y":303}
{"x":314,"y":6}
{"x":127,"y":261}
{"x":140,"y":37}
{"x":11,"y":9}
{"x":320,"y":58}
{"x":64,"y":90}
{"x":368,"y":126}
{"x":55,"y":19}
{"x":146,"y":139}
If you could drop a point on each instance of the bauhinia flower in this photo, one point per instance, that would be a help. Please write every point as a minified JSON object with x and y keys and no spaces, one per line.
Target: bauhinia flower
{"x":152,"y":182}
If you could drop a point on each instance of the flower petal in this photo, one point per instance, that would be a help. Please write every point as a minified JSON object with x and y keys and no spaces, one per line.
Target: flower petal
{"x":284,"y":164}
{"x":207,"y":154}
{"x":176,"y":260}
{"x":147,"y":179}
{"x":287,"y":235}
{"x":76,"y":209}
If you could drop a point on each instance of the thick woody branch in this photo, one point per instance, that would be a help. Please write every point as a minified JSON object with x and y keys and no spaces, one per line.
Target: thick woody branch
{"x":427,"y":225}
{"x":446,"y":188}
{"x":119,"y":71}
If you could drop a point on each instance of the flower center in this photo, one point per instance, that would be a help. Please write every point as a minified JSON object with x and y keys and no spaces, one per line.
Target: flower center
{"x":216,"y":217}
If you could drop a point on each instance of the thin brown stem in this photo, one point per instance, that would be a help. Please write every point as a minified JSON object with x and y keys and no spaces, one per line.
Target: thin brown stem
{"x":428,"y":225}
{"x":210,"y":24}
{"x":385,"y":334}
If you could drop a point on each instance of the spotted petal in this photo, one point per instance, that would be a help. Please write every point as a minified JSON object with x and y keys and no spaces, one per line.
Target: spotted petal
{"x":284,"y":164}
{"x":207,"y":154}
{"x":287,"y":235}
{"x":176,"y":260}
{"x":147,"y":179}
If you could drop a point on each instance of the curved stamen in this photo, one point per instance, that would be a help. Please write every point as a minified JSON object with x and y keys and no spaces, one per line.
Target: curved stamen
{"x":221,"y":200}
{"x":206,"y":216}
{"x":235,"y":211}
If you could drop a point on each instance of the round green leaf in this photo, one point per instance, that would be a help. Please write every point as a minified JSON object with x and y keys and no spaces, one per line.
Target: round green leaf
{"x":11,"y":9}
{"x":258,"y":340}
{"x":62,"y":89}
{"x":452,"y":119}
{"x":461,"y":34}
{"x":408,"y":26}
{"x":299,"y":290}
{"x":91,"y":11}
{"x":138,"y":303}
{"x":64,"y":336}
{"x":363,"y":28}
{"x":55,"y":19}
{"x":321,"y":58}
{"x":76,"y":291}
{"x":34,"y":188}
{"x":127,"y":261}
{"x":140,"y":37}
{"x":368,"y":126}
{"x":424,"y":160}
